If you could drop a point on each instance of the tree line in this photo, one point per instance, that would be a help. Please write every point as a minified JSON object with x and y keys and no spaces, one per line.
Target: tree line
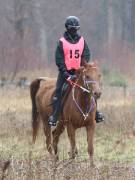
{"x":30,"y":29}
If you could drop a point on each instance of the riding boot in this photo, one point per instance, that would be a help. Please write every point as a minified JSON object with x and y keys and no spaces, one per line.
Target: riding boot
{"x":99,"y":117}
{"x":56,"y":111}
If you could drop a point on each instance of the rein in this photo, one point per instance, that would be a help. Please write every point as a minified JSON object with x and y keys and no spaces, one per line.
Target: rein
{"x":85,"y":115}
{"x":75,"y":84}
{"x":92,"y":100}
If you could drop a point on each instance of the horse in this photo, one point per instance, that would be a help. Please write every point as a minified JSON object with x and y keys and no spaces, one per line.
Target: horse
{"x":79,"y":108}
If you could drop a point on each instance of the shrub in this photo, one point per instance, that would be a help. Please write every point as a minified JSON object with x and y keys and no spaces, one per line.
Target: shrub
{"x":114,"y":78}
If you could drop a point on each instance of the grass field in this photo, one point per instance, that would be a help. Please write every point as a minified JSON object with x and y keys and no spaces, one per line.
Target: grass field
{"x":114,"y":141}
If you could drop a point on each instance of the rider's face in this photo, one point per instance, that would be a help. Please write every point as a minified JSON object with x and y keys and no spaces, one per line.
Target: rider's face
{"x":72,"y":31}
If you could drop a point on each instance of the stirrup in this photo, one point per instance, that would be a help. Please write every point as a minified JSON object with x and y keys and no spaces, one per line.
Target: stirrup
{"x":99,"y":120}
{"x":52,"y":123}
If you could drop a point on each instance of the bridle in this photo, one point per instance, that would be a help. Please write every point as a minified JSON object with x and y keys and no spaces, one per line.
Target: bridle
{"x":86,"y":88}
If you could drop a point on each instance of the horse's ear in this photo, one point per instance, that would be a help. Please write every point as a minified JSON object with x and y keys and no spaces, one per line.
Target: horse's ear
{"x":80,"y":70}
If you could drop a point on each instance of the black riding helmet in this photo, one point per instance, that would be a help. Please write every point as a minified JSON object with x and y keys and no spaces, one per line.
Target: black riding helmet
{"x":72,"y":24}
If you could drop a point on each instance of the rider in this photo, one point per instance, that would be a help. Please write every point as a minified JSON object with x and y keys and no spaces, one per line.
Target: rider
{"x":70,"y":53}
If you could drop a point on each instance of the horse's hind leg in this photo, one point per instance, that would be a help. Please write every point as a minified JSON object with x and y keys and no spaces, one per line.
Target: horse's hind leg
{"x":90,"y":135}
{"x":47,"y":132}
{"x":56,"y":134}
{"x":71,"y":136}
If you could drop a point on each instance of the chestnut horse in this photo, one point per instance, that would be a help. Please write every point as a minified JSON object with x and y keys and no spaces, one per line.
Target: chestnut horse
{"x":79,"y":108}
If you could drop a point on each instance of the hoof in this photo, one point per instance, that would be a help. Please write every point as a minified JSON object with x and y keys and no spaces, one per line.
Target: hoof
{"x":56,"y":157}
{"x":72,"y":155}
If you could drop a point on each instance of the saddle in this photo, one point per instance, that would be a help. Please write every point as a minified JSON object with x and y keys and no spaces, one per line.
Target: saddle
{"x":65,"y":88}
{"x":65,"y":91}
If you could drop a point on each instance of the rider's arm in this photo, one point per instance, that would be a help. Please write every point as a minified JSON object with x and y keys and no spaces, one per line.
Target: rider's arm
{"x":59,"y":58}
{"x":86,"y":53}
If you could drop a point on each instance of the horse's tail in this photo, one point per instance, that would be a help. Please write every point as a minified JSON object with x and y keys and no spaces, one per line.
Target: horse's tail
{"x":34,"y":86}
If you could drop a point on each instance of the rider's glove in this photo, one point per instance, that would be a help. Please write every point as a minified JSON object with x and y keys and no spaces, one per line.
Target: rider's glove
{"x":71,"y":77}
{"x":66,"y":74}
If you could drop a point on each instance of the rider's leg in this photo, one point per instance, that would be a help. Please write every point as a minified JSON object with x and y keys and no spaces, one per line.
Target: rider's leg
{"x":56,"y":100}
{"x":99,"y":115}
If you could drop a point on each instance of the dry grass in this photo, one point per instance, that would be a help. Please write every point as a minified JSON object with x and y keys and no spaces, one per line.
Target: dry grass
{"x":114,"y":141}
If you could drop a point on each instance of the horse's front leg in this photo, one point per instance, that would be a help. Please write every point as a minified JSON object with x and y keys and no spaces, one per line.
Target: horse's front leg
{"x":90,"y":135}
{"x":71,"y":136}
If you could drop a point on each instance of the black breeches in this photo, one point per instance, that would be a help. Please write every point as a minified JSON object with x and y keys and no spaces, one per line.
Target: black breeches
{"x":57,"y":95}
{"x":59,"y":84}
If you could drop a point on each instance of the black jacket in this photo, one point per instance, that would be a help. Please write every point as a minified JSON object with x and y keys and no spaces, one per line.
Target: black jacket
{"x":59,"y":54}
